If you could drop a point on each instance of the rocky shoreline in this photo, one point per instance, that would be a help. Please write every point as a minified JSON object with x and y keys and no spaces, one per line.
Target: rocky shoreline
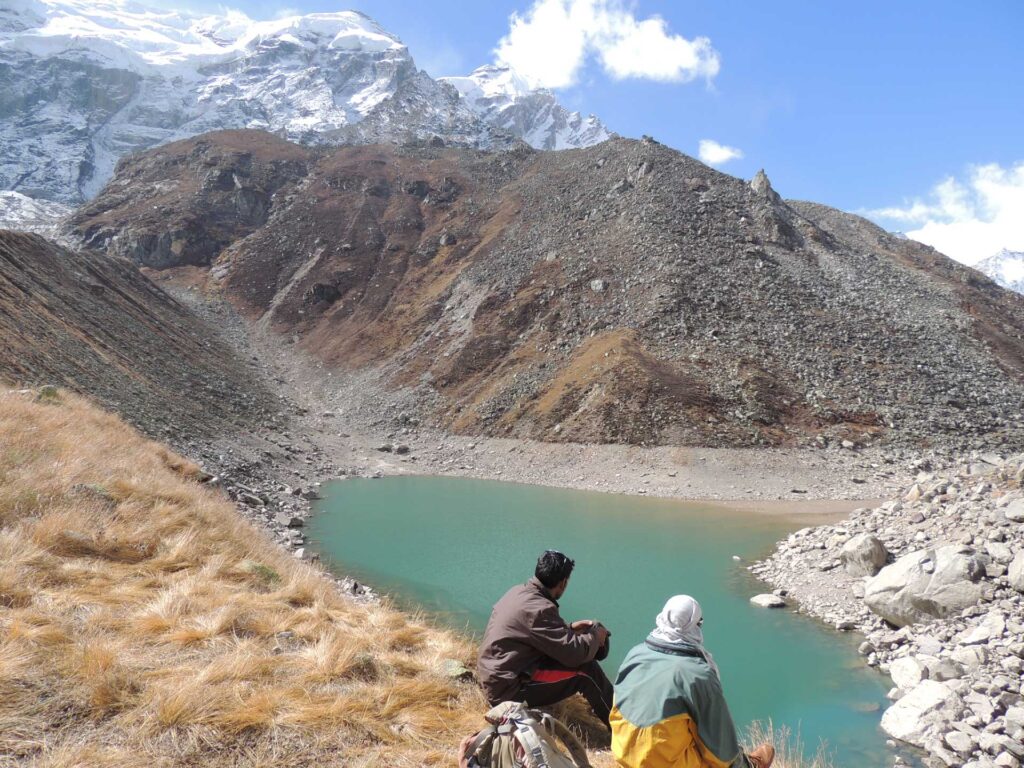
{"x":943,"y":562}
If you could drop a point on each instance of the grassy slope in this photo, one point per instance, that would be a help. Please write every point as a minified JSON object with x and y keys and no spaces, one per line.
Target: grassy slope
{"x":144,"y":623}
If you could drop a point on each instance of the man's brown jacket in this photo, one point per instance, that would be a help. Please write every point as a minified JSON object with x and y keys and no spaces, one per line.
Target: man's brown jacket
{"x":525,"y":630}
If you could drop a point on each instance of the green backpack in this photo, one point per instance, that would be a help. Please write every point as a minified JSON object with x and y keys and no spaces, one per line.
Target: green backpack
{"x":518,"y":737}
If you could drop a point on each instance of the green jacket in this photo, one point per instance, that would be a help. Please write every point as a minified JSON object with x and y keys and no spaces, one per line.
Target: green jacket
{"x":670,"y":712}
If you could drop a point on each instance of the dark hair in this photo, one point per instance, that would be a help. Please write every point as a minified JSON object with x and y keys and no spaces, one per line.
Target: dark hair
{"x":553,"y":568}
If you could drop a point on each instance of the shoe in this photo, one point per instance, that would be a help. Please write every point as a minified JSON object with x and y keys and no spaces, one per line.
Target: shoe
{"x":762,"y":757}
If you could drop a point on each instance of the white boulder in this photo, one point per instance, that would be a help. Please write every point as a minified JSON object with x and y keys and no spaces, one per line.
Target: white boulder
{"x":909,"y":718}
{"x":907,"y":672}
{"x":926,"y":585}
{"x":768,"y":601}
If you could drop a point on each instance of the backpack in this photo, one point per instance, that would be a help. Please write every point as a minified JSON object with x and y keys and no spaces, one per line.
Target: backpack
{"x":518,"y":737}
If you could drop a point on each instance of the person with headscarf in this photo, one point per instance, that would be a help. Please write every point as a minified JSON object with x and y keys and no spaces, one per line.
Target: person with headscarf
{"x":669,"y":709}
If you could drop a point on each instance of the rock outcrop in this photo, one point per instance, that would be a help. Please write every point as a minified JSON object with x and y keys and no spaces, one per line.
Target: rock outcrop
{"x":620,"y":293}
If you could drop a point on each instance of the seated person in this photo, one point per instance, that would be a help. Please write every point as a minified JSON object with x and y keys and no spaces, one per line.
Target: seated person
{"x":530,"y":654}
{"x":669,"y":710}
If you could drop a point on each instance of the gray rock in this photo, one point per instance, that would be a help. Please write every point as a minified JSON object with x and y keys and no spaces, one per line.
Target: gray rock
{"x":1015,"y":572}
{"x":1015,"y":511}
{"x":289,"y":521}
{"x":926,"y":585}
{"x":907,"y":672}
{"x":960,"y":742}
{"x":863,"y":555}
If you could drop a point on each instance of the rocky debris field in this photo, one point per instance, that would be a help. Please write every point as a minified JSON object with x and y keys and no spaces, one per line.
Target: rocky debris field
{"x":95,"y":324}
{"x":623,"y":293}
{"x":935,"y":581}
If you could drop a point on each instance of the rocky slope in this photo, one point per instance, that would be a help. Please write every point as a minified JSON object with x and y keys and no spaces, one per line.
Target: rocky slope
{"x":1006,"y":268}
{"x":82,"y":84}
{"x":620,"y":293}
{"x":96,"y":325}
{"x":935,"y":579}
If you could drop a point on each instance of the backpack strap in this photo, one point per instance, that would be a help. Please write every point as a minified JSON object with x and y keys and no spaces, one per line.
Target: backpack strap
{"x":567,"y":737}
{"x":479,"y":744}
{"x":528,"y":738}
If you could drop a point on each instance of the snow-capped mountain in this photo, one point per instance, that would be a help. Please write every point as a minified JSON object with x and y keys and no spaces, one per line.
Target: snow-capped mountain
{"x":27,"y":215}
{"x":1006,"y":268}
{"x":505,"y":100}
{"x":83,"y":82}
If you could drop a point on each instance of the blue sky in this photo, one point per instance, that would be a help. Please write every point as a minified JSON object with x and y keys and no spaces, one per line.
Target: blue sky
{"x":912,"y":111}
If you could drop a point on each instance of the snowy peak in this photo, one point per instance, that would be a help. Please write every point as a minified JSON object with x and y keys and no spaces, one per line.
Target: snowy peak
{"x":138,"y":37}
{"x":1006,"y":268}
{"x":491,"y":84}
{"x":90,"y":81}
{"x":506,"y":101}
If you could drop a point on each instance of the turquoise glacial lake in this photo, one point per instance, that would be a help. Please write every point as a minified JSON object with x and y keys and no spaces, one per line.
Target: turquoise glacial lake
{"x":453,"y":546}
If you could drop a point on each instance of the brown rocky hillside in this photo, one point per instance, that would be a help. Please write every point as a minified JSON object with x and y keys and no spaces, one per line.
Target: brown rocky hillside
{"x":620,"y":293}
{"x":97,"y":325}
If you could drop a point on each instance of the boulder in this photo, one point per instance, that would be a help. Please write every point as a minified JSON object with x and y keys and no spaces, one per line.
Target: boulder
{"x":288,"y":520}
{"x":863,"y":555}
{"x":926,"y":585}
{"x":970,"y":657}
{"x":1015,"y":511}
{"x":768,"y":601}
{"x":1015,"y":572}
{"x":908,"y":719}
{"x":907,"y":672}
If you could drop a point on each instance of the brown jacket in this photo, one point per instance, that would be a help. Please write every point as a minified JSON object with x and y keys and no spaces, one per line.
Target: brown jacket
{"x":525,"y":629}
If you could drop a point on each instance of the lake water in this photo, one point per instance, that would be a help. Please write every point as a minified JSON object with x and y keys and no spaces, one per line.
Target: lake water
{"x":454,"y":545}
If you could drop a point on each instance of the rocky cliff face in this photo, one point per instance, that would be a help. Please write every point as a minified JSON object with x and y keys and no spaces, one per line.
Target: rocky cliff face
{"x":621,"y":293}
{"x":83,"y":84}
{"x":96,"y":325}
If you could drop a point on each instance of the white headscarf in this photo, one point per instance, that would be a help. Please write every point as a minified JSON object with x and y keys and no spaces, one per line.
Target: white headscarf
{"x":679,"y":624}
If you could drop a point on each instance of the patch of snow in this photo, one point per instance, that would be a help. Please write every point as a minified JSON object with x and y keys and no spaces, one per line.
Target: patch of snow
{"x":22,"y":213}
{"x":1006,"y":268}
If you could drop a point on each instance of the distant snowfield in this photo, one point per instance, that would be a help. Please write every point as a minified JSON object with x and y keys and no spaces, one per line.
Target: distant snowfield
{"x":27,"y":215}
{"x":85,"y":83}
{"x":140,"y":39}
{"x":1006,"y":268}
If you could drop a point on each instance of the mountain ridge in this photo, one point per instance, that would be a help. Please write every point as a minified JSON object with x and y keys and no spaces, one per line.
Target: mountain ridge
{"x":619,"y":293}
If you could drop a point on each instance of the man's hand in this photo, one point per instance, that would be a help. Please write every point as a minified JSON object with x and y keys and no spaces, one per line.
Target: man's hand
{"x":582,"y":626}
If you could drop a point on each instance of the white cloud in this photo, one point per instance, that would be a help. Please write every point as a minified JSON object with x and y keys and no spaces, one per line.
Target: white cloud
{"x":550,"y":44}
{"x":713,"y":153}
{"x":970,"y":218}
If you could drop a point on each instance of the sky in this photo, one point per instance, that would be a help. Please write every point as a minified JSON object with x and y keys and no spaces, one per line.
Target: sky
{"x":909,"y":112}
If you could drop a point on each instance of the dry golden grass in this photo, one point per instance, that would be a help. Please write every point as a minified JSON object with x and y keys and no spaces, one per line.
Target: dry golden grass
{"x":144,"y":623}
{"x":789,"y":747}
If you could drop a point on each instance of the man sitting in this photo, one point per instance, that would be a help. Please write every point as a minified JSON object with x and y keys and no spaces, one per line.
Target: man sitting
{"x":670,"y":711}
{"x":530,"y":654}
